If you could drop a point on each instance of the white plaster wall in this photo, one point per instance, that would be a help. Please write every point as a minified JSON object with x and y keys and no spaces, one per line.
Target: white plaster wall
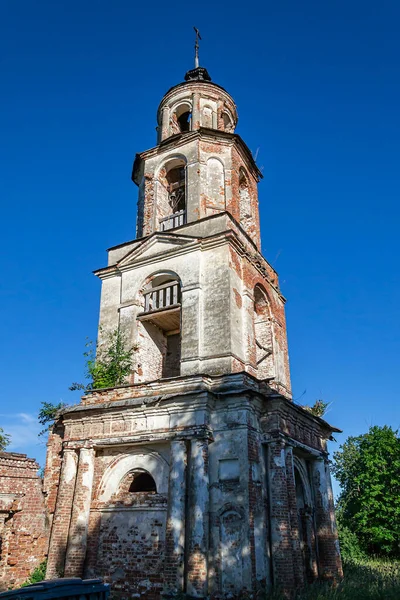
{"x":215,"y":285}
{"x":109,"y":303}
{"x":222,"y":153}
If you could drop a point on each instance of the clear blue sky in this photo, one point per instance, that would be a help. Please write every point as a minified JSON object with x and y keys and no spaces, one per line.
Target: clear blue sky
{"x":317,"y":86}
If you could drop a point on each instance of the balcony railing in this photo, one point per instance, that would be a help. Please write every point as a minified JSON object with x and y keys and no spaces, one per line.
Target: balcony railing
{"x":162,"y":296}
{"x":172,"y":221}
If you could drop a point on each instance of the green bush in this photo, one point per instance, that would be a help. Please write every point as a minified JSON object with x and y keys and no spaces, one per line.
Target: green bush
{"x":350,"y":547}
{"x":37,"y":574}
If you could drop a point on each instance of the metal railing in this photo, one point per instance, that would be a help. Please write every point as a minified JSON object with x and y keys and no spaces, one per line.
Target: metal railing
{"x":172,"y":221}
{"x":162,"y":296}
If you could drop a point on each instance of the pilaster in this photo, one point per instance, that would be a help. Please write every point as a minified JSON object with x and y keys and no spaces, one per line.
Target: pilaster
{"x":78,"y":531}
{"x":175,"y":534}
{"x":197,"y":568}
{"x":62,"y":515}
{"x":281,"y":541}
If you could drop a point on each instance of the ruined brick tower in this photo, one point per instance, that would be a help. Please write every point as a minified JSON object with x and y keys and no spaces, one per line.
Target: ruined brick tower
{"x":199,"y":475}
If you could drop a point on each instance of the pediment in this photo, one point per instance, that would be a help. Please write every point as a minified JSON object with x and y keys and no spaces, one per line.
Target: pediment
{"x":159,"y":243}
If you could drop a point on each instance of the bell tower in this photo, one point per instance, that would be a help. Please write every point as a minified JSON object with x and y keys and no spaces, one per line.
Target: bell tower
{"x":199,"y":162}
{"x":199,"y":475}
{"x":193,"y":289}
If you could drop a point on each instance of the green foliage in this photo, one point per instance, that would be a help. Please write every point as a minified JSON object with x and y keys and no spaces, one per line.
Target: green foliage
{"x":48,"y":414}
{"x":349,"y":544}
{"x":318,"y":409}
{"x":37,"y":575}
{"x":5,"y":439}
{"x":368,"y":470}
{"x":110,"y":365}
{"x":363,"y":580}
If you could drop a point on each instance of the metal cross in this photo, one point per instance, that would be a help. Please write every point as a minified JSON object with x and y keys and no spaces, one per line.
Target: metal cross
{"x":196,"y":48}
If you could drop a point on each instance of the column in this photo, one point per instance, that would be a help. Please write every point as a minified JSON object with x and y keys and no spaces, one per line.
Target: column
{"x":195,"y":111}
{"x":329,"y":561}
{"x":78,"y":530}
{"x":175,"y":559}
{"x":62,"y":515}
{"x":197,"y":563}
{"x":165,"y":123}
{"x":281,"y":540}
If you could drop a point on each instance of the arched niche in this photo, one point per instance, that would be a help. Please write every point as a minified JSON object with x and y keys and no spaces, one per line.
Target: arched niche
{"x":244,"y":199}
{"x":228,"y":122}
{"x":215,"y":186}
{"x":171,"y":194}
{"x":231,"y":550}
{"x":263,"y":334}
{"x":130,"y":524}
{"x":159,"y":328}
{"x":142,"y":461}
{"x":207,"y":119}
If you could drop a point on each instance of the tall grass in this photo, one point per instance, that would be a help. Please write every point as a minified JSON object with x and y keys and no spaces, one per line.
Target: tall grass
{"x":364,"y":579}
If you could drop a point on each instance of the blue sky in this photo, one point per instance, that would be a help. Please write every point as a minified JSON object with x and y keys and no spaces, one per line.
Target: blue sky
{"x":317,"y":86}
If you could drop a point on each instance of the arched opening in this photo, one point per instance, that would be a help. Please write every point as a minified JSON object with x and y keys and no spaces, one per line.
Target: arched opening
{"x":142,"y":482}
{"x":159,"y":329}
{"x":181,"y":120}
{"x":263,"y":334}
{"x":185,"y":120}
{"x":171,"y":194}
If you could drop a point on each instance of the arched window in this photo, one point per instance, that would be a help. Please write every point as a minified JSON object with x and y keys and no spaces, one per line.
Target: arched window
{"x":159,"y":328}
{"x":181,"y":120}
{"x":171,"y":194}
{"x":263,"y":334}
{"x":142,"y":482}
{"x":133,"y":482}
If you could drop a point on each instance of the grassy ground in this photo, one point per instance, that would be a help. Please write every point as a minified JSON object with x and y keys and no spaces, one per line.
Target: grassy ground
{"x":364,"y":580}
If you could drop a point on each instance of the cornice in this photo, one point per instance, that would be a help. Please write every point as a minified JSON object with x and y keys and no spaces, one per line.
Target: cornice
{"x":181,"y":139}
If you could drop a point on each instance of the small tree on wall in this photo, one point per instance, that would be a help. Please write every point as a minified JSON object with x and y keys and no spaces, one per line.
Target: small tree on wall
{"x":108,"y":367}
{"x":5,"y":439}
{"x":318,"y":409}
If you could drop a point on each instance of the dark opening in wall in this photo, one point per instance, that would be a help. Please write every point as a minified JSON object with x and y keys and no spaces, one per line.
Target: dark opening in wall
{"x":143,"y":482}
{"x":176,"y":189}
{"x":184,"y":121}
{"x":172,"y":358}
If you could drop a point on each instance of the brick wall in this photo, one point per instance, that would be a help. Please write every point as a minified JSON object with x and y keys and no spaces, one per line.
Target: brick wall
{"x":23,"y":527}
